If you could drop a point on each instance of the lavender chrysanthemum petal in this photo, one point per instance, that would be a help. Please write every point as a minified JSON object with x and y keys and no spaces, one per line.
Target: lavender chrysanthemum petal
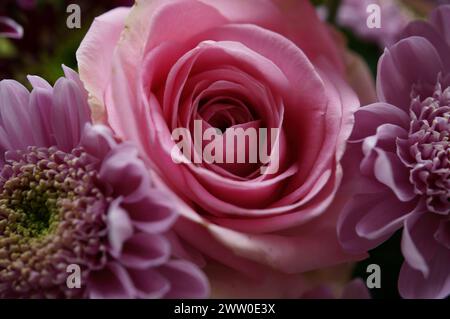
{"x":15,"y":119}
{"x":70,"y":113}
{"x":186,"y":281}
{"x":425,"y":272}
{"x":398,"y":72}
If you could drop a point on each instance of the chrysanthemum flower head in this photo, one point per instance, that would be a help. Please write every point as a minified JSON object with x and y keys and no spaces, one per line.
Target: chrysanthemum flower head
{"x":405,"y":165}
{"x":71,"y":195}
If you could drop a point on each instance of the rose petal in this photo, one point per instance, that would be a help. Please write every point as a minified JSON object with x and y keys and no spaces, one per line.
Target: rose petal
{"x":94,"y":56}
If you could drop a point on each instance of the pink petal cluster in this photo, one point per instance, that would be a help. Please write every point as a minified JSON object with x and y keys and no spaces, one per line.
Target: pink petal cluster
{"x":71,"y":194}
{"x":404,"y":145}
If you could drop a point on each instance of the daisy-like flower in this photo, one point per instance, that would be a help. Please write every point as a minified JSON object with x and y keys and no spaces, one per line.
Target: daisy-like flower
{"x":405,"y":166}
{"x":72,"y":197}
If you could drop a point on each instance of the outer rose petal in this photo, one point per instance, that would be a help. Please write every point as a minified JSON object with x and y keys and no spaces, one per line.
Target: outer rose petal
{"x":291,"y":18}
{"x":298,"y":250}
{"x":95,"y":53}
{"x":360,"y":78}
{"x":357,"y":71}
{"x":226,"y":283}
{"x":94,"y":56}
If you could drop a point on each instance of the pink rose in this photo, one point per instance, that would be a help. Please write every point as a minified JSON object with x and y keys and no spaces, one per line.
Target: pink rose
{"x":231,"y":63}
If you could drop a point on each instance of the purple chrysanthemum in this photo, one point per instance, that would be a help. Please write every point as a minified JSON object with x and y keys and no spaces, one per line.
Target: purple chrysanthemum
{"x":405,"y":162}
{"x":71,"y":195}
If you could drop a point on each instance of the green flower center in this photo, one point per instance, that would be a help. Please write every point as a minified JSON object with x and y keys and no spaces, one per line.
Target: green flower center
{"x":32,"y":208}
{"x":52,"y":214}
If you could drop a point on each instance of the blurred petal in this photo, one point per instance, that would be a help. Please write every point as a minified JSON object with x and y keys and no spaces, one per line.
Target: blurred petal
{"x":356,"y":289}
{"x":440,"y":18}
{"x":10,"y":28}
{"x":360,"y":78}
